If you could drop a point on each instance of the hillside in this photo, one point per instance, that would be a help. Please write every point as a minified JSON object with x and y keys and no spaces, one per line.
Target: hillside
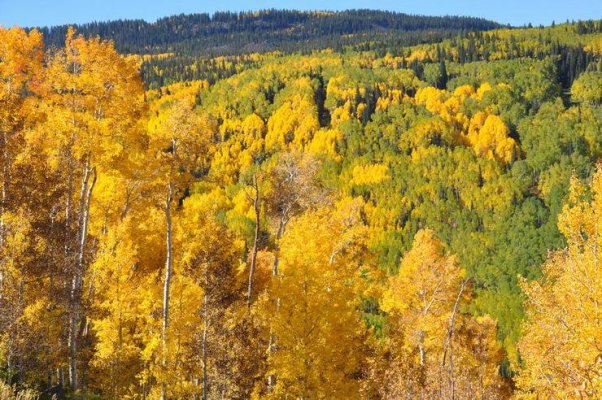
{"x":183,"y":46}
{"x":383,"y":220}
{"x":573,"y":49}
{"x":228,"y":33}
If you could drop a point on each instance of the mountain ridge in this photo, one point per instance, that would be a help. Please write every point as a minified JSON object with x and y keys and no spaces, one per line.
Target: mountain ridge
{"x":204,"y":34}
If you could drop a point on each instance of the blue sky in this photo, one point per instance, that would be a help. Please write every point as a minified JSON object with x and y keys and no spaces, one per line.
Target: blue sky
{"x":516,"y":12}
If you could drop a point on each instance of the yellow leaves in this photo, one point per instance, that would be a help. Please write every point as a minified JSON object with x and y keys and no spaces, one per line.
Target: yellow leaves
{"x":120,"y":308}
{"x":198,"y":206}
{"x":253,"y":129}
{"x":388,"y":61}
{"x":263,"y":274}
{"x":484,"y":132}
{"x":594,"y":47}
{"x":427,"y":278}
{"x":316,"y":322}
{"x":423,"y":153}
{"x":452,"y":106}
{"x":186,"y":298}
{"x":20,"y":242}
{"x":346,"y":98}
{"x":20,"y":62}
{"x":243,"y":145}
{"x":360,"y":110}
{"x":424,"y":304}
{"x":335,"y":89}
{"x":325,"y":142}
{"x":201,"y":237}
{"x":370,"y":174}
{"x":341,"y":114}
{"x":478,"y":120}
{"x":587,"y":88}
{"x":432,"y":98}
{"x":389,"y":98}
{"x":242,"y":205}
{"x":152,"y":346}
{"x":484,"y":88}
{"x":489,"y":137}
{"x":93,"y":105}
{"x":426,"y":133}
{"x":179,"y":91}
{"x":311,"y":312}
{"x":181,"y":140}
{"x":464,"y":91}
{"x":292,"y":126}
{"x":111,"y":191}
{"x":575,"y":219}
{"x":21,"y":72}
{"x":417,"y":55}
{"x":563,"y":311}
{"x":441,"y":102}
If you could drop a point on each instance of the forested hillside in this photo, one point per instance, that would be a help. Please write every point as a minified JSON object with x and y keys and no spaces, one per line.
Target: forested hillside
{"x":182,"y":46}
{"x":378,"y":220}
{"x":228,"y":33}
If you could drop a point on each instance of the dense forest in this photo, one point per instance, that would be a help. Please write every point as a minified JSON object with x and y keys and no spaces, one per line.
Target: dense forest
{"x":192,"y":41}
{"x":213,"y":47}
{"x":378,"y":219}
{"x":227,"y":33}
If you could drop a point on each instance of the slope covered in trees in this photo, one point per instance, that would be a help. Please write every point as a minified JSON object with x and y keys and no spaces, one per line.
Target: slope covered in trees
{"x":573,"y":53}
{"x":183,"y":45}
{"x":334,"y":225}
{"x":224,"y":33}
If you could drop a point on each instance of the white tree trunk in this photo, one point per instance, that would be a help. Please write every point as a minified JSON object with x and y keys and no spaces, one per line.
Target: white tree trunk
{"x":204,"y":343}
{"x":167,"y":283}
{"x":255,"y":240}
{"x":79,"y":272}
{"x":3,"y":203}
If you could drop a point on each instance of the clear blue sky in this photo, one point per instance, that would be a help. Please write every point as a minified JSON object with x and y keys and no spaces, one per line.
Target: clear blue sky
{"x":516,"y":12}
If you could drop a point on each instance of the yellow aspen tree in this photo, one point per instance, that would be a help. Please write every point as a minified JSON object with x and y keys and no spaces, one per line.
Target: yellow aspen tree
{"x":210,"y":257}
{"x":115,"y":316}
{"x":242,"y":149}
{"x":435,"y":350}
{"x":559,"y":348}
{"x":489,"y":137}
{"x":20,"y":75}
{"x":318,"y":328}
{"x":294,"y":123}
{"x":93,"y":101}
{"x":181,"y":139}
{"x":121,"y":276}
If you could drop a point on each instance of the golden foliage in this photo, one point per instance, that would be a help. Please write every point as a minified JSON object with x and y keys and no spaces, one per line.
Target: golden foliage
{"x":435,"y":350}
{"x":559,"y":348}
{"x":489,"y":137}
{"x":313,"y":311}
